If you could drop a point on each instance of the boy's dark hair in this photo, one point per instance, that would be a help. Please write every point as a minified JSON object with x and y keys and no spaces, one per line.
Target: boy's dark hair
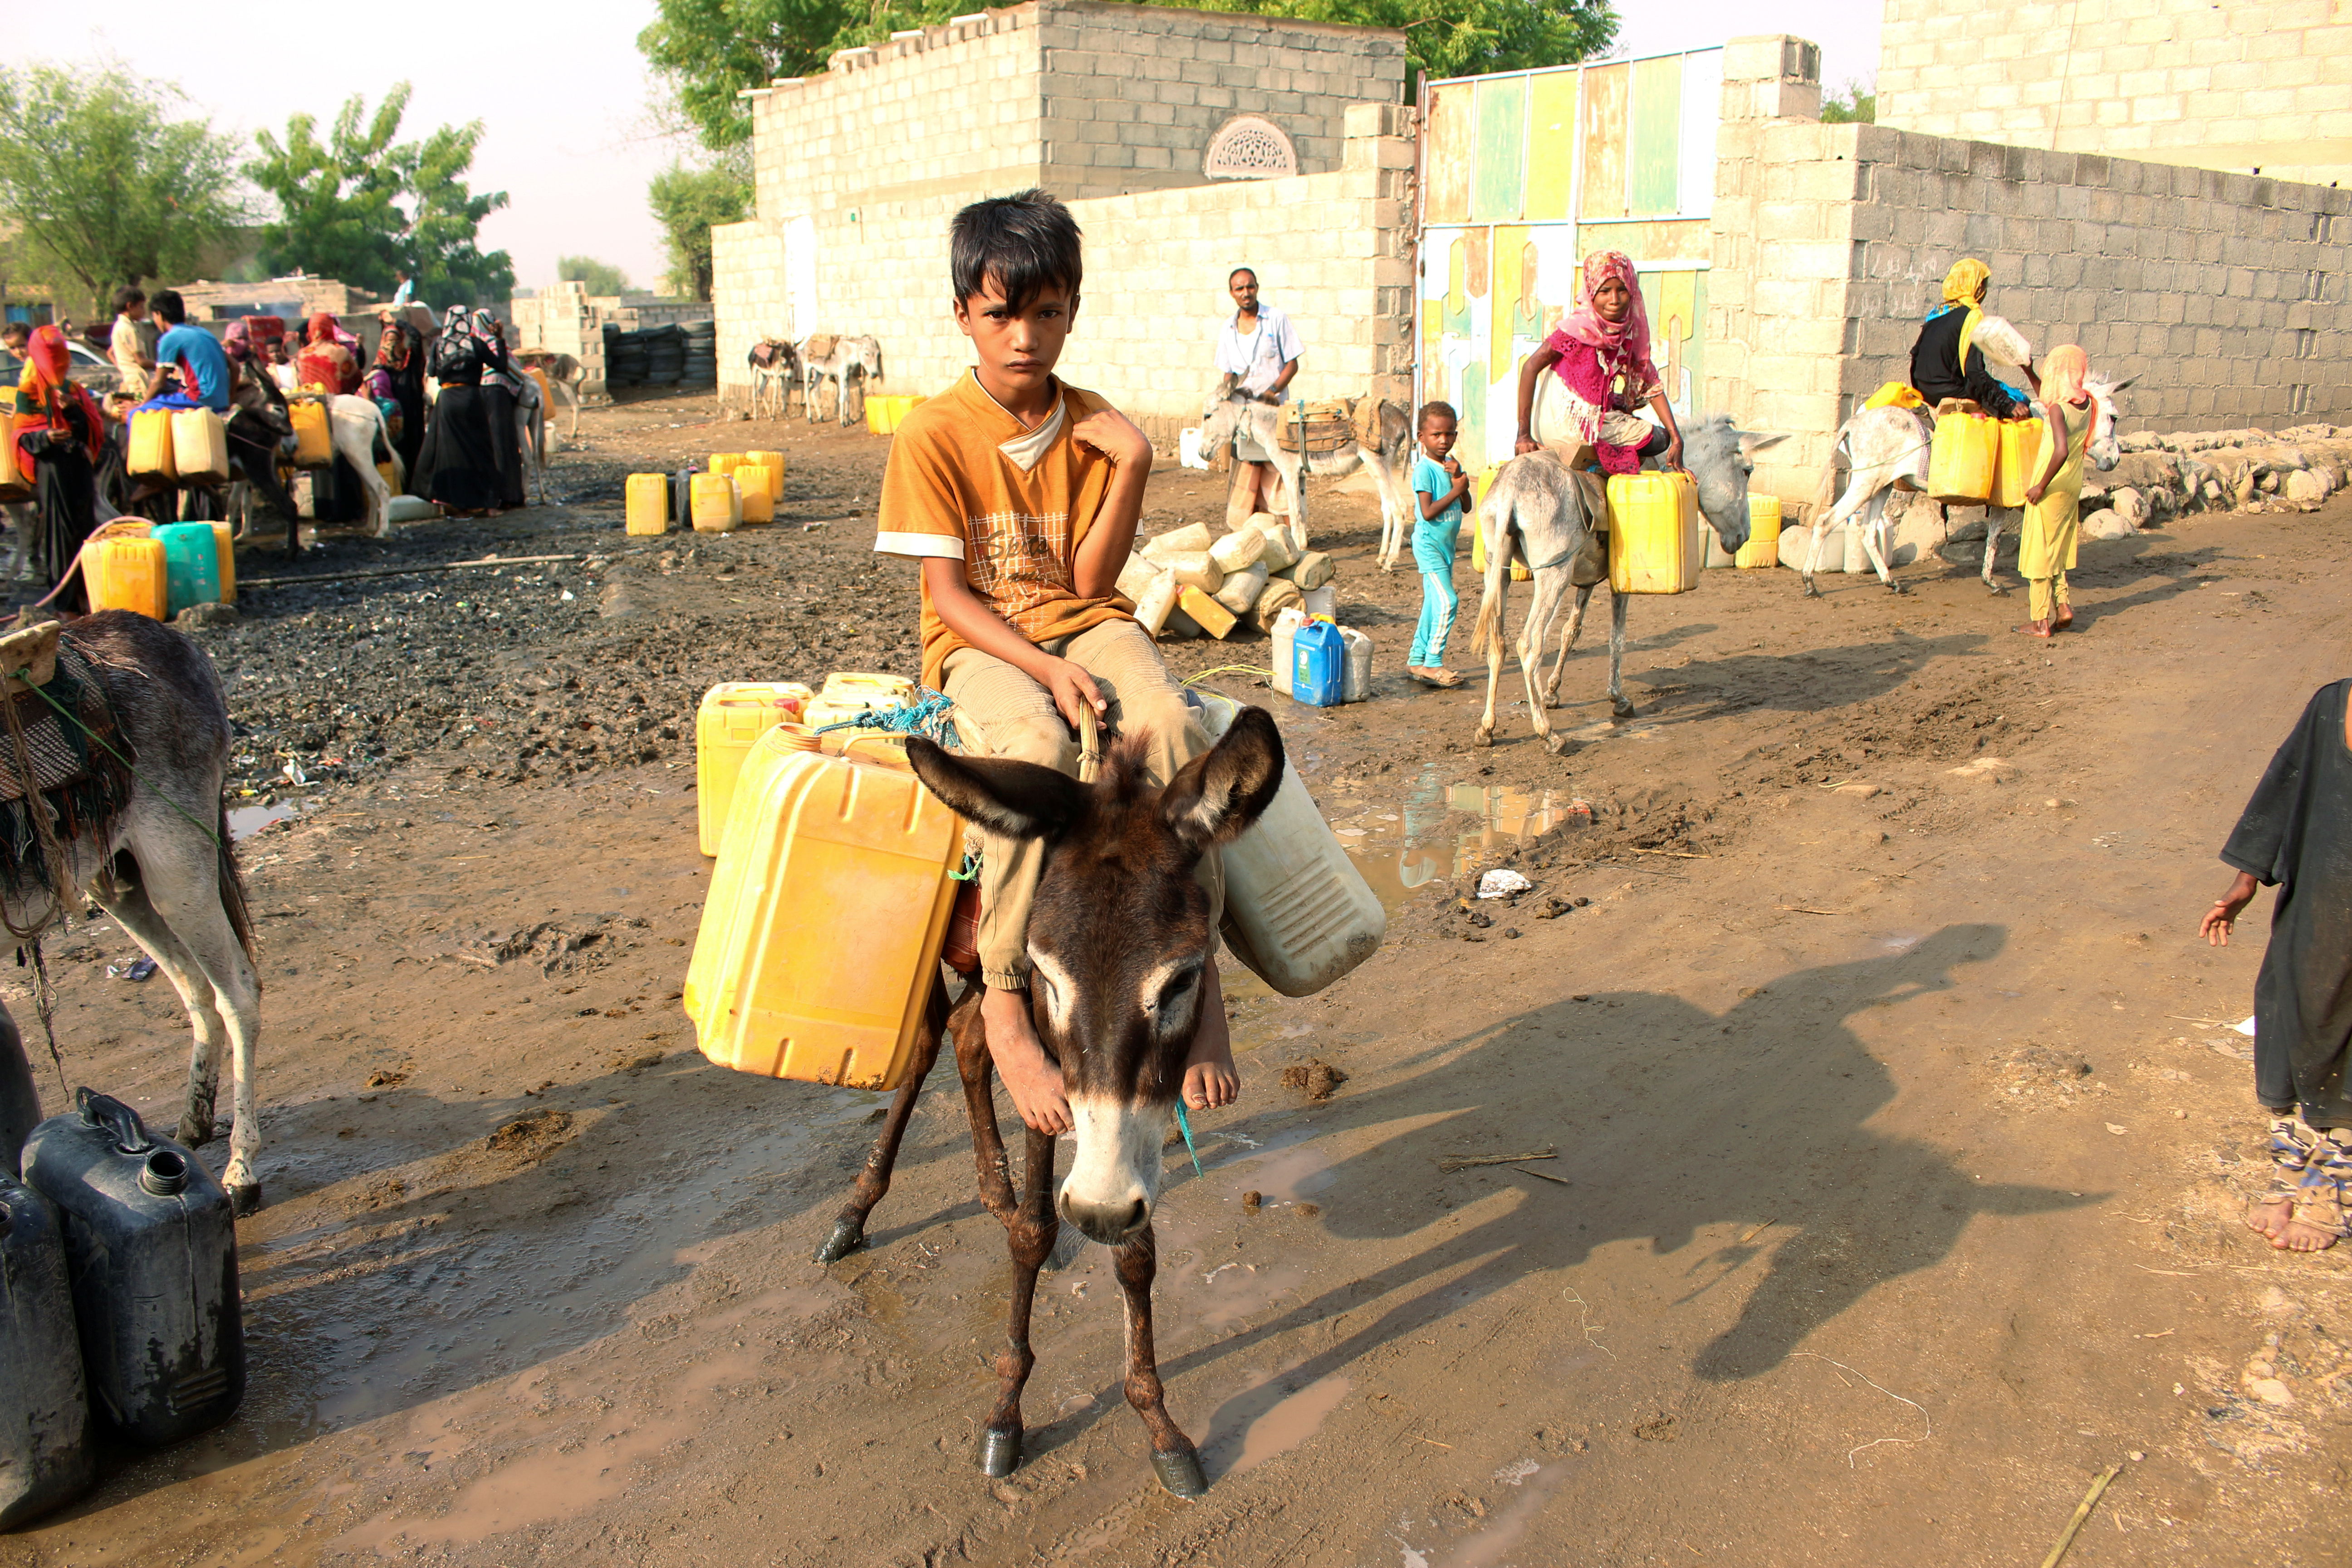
{"x":166,"y":307}
{"x":1435,"y":410}
{"x":17,"y":331}
{"x":127,"y":295}
{"x":1026,"y":243}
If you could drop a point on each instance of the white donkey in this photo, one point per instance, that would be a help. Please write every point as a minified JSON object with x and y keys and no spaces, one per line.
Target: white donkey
{"x":1553,"y":518}
{"x":858,"y":356}
{"x":1389,"y":462}
{"x":1887,"y":449}
{"x":563,"y":374}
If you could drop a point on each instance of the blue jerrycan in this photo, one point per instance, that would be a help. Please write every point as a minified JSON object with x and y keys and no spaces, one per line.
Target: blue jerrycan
{"x":151,"y":1244}
{"x":1318,"y":663}
{"x":45,"y":1454}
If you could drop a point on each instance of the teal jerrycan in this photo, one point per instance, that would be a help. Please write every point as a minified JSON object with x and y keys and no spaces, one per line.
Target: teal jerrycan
{"x":151,"y":1245}
{"x":45,"y":1453}
{"x":190,"y":565}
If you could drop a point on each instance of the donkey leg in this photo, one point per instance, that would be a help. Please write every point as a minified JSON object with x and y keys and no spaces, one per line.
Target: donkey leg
{"x":131,"y":909}
{"x":1173,"y":1458}
{"x":1569,"y":634}
{"x":975,"y":1067}
{"x":1618,"y":604}
{"x":1874,"y":542}
{"x":849,"y":1232}
{"x":1491,"y":633}
{"x":1542,"y":609}
{"x":1029,"y":1238}
{"x":1992,"y":543}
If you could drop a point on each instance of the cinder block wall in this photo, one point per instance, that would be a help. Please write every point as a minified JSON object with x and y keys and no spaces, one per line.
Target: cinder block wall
{"x":1085,"y":98}
{"x":1333,"y":249}
{"x":2225,"y":294}
{"x":2243,"y":85}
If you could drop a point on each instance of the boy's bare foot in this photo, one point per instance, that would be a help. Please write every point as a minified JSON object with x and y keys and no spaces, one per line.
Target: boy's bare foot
{"x":1033,"y":1080}
{"x":2034,"y":628}
{"x":1210,"y":1078}
{"x":2269,"y":1215}
{"x":2062,"y":619}
{"x":1434,"y":675}
{"x":2315,"y":1223}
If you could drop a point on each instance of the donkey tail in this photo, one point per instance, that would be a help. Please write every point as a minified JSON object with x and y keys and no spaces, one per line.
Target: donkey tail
{"x":1826,"y":496}
{"x":232,"y":890}
{"x":1494,"y":528}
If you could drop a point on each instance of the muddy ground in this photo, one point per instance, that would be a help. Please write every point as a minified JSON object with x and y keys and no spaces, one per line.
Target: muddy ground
{"x":1896,"y":1161}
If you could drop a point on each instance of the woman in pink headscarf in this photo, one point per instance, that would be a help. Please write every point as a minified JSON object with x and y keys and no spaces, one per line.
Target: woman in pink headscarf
{"x":1601,"y":352}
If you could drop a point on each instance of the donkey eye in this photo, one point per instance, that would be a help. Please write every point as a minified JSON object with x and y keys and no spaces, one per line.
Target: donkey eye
{"x":1176,"y":990}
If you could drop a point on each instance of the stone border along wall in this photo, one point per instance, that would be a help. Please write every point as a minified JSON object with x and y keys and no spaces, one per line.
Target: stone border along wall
{"x":1333,"y":249}
{"x":2225,"y":294}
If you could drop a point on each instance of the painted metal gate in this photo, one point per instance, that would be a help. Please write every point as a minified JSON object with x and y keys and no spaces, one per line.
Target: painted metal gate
{"x":1523,"y":173}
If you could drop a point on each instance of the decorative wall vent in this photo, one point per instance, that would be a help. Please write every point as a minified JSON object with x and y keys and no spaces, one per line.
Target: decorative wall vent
{"x":1248,"y":148}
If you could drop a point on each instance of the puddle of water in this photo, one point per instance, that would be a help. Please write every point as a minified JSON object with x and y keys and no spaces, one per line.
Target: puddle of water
{"x":1427,"y":838}
{"x":245,"y":821}
{"x":1290,"y":1423}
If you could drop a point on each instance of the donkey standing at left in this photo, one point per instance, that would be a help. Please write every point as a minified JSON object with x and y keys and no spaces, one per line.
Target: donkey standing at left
{"x":160,"y":861}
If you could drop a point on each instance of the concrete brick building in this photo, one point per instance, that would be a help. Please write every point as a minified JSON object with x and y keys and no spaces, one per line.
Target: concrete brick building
{"x":2249,"y":86}
{"x":1188,"y":143}
{"x":2226,"y":294}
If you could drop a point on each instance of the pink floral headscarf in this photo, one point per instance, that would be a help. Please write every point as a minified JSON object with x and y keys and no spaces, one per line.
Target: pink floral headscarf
{"x":1586,"y":325}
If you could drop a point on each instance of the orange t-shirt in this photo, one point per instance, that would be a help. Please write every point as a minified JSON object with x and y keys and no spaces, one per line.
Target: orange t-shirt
{"x":968,"y":482}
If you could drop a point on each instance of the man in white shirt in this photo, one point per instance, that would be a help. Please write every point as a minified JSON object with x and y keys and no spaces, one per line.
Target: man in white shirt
{"x":1259,"y":347}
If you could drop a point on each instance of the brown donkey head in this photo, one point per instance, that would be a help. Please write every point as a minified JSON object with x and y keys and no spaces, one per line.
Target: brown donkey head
{"x":1118,"y":936}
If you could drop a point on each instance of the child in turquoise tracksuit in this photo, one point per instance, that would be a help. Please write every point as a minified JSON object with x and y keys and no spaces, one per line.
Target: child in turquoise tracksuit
{"x":1439,"y":489}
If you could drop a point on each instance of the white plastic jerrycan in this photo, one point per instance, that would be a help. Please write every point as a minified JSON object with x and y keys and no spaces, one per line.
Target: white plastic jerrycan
{"x":1296,"y":909}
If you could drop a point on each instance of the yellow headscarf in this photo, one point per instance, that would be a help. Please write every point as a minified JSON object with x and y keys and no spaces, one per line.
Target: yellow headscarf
{"x":2063,"y":370}
{"x":1965,"y":280}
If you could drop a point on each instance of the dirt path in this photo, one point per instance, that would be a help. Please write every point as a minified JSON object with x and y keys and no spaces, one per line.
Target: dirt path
{"x":1896,"y":1191}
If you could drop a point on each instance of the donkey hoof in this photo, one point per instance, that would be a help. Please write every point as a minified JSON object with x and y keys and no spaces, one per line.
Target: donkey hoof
{"x":999,"y":1453}
{"x":846,"y":1238}
{"x":1622,"y":710}
{"x":1555,"y":743}
{"x":244,"y":1198}
{"x":1179,"y":1472}
{"x":1812,"y":592}
{"x":1482,"y":739}
{"x":1897,"y":587}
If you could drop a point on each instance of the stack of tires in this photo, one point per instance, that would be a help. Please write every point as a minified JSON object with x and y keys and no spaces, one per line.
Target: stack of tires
{"x":665,"y":355}
{"x":701,"y":372}
{"x":624,"y":357}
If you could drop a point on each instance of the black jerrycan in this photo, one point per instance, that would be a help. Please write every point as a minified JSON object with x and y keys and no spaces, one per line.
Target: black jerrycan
{"x":151,"y":1245}
{"x":45,"y":1456}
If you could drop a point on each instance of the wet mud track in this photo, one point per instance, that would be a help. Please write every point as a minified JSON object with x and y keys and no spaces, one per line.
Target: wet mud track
{"x":1896,"y":1170}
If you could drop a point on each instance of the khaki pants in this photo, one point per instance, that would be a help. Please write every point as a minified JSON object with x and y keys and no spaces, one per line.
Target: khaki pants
{"x":1001,"y":712}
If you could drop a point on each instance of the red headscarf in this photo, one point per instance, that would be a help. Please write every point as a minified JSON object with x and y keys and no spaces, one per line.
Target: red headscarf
{"x":46,"y":385}
{"x":1586,"y":325}
{"x":321,"y":330}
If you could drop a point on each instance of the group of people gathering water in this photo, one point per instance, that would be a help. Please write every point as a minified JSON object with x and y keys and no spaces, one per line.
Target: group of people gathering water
{"x":456,"y":436}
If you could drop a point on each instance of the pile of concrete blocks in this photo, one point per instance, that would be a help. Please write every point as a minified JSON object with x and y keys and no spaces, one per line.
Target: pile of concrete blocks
{"x":1189,"y":582}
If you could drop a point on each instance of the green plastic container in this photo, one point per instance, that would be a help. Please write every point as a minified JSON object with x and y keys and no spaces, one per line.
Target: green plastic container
{"x":191,"y":565}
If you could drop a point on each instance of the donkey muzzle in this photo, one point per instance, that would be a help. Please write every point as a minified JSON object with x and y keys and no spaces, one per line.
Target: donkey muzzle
{"x":1115,"y":1173}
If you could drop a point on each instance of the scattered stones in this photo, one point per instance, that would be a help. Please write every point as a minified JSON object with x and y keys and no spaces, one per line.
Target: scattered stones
{"x":199,"y":615}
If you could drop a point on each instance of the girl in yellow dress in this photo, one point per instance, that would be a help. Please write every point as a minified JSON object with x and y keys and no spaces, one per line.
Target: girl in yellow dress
{"x":2054,"y":502}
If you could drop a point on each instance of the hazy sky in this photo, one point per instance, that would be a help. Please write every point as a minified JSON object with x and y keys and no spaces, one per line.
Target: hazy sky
{"x":561,"y":89}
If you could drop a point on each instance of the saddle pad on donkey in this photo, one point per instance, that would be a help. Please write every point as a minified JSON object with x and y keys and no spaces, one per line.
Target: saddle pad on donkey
{"x":1315,"y":428}
{"x":820,"y":345}
{"x":84,"y":782}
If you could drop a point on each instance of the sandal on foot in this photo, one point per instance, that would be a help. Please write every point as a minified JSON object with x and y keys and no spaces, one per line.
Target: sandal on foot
{"x":2319,"y":1218}
{"x":2291,"y":1146}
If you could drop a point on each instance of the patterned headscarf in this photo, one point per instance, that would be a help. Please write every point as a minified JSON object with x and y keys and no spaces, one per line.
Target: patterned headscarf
{"x":1586,"y":324}
{"x":238,"y":340}
{"x":1965,"y":281}
{"x":391,"y":348}
{"x":2063,"y":370}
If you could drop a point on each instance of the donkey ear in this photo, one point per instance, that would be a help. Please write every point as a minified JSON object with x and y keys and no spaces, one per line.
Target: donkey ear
{"x":1214,"y":798}
{"x":1751,"y":443}
{"x":1019,"y":800}
{"x":2119,"y":386}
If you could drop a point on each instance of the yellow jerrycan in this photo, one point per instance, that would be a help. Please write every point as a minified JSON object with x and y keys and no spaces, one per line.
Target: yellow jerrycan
{"x":648,"y":504}
{"x":151,"y":444}
{"x":734,"y":714}
{"x":774,"y":463}
{"x":314,"y":445}
{"x":2017,"y":442}
{"x":1961,"y":459}
{"x":1298,"y":912}
{"x":829,"y":903}
{"x":127,"y":572}
{"x":716,"y":504}
{"x":758,"y":495}
{"x":200,"y":444}
{"x":1654,"y":543}
{"x":847,"y":693}
{"x":1763,"y":546}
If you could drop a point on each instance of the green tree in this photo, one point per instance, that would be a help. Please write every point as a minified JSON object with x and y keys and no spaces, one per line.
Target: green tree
{"x":602,"y":277}
{"x":708,"y":50}
{"x":102,"y":186}
{"x":686,"y":202}
{"x":366,"y":207}
{"x":1857,"y":101}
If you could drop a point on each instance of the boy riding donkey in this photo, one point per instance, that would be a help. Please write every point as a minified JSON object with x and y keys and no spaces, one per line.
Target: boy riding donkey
{"x":1020,"y":496}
